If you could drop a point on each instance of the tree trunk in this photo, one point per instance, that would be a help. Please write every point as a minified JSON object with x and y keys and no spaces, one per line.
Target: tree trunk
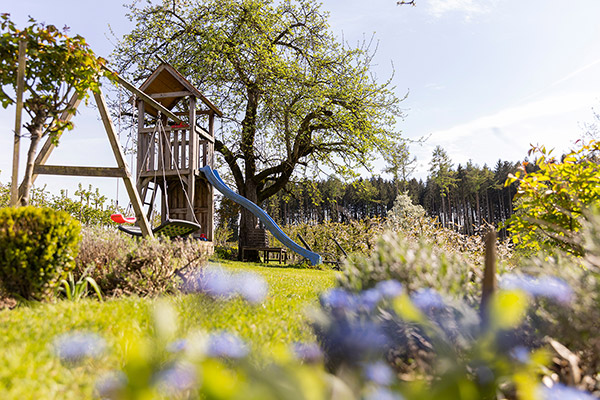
{"x":36,"y":135}
{"x":443,"y":212}
{"x":248,"y":221}
{"x":478,"y":209}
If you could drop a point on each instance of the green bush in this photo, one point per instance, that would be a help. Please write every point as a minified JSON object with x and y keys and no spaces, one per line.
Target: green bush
{"x":416,"y":264}
{"x":551,"y":200}
{"x":37,"y":249}
{"x":122,"y":265}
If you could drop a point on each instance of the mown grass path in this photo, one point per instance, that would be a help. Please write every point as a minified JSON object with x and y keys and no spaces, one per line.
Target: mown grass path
{"x":30,"y":370}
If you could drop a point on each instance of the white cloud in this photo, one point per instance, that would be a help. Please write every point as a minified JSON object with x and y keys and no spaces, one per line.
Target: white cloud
{"x":576,"y":72}
{"x":508,"y":133}
{"x":469,"y":8}
{"x":549,"y":107}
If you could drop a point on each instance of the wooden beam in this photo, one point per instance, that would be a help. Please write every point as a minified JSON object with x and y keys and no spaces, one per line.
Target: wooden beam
{"x":71,"y":170}
{"x":134,"y":195}
{"x":171,"y":94}
{"x":147,"y":99}
{"x":199,"y":112}
{"x":167,"y":128}
{"x":14,"y":186}
{"x":204,"y":134}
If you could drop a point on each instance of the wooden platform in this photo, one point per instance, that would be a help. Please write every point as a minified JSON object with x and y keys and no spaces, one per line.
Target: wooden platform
{"x":268,"y":254}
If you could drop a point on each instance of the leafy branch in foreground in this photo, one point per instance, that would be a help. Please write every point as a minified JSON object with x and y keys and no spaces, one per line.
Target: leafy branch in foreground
{"x":550,"y":201}
{"x":57,"y":67}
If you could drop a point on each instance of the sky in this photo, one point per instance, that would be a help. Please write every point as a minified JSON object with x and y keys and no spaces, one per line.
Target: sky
{"x":484,"y":79}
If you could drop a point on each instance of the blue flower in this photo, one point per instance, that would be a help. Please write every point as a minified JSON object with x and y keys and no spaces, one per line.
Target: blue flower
{"x":521,"y":354}
{"x":177,"y":346}
{"x":75,"y":346}
{"x":251,"y":287}
{"x":226,"y":345}
{"x":379,"y":373}
{"x":383,"y":393}
{"x":547,"y":286}
{"x":178,"y":378}
{"x":562,"y":392}
{"x":427,"y":299}
{"x":111,"y":385}
{"x":217,"y":283}
{"x":338,"y":299}
{"x":370,"y":298}
{"x":308,"y":352}
{"x":352,"y":342}
{"x":389,"y":289}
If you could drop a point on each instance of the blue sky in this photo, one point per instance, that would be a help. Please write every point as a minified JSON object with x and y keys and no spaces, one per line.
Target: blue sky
{"x":485,"y":78}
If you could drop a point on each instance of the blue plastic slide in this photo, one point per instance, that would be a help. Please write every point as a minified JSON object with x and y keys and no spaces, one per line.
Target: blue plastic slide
{"x":215,"y":180}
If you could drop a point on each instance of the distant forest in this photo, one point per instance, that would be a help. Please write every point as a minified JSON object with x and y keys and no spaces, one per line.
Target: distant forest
{"x":463,"y":199}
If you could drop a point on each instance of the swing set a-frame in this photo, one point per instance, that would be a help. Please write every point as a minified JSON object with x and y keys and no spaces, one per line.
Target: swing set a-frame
{"x":169,"y":157}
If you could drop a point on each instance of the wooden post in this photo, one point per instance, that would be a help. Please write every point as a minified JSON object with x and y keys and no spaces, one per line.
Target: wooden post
{"x":488,"y":286}
{"x":134,"y":195}
{"x":14,"y":188}
{"x":194,"y":160}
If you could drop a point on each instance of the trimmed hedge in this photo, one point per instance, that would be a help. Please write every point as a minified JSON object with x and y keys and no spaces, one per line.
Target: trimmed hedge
{"x":37,"y":249}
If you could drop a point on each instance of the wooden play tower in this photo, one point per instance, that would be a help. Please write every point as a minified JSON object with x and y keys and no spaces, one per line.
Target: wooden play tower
{"x":170,"y":154}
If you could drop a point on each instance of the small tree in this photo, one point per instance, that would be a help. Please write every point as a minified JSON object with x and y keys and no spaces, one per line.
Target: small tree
{"x":551,"y":202}
{"x":57,"y":67}
{"x":442,"y":175}
{"x":400,"y":164}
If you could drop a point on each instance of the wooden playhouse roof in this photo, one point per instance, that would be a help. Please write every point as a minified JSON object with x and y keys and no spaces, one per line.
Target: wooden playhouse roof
{"x":170,"y":86}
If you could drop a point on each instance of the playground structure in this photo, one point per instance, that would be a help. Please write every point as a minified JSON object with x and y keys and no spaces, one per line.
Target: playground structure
{"x":169,"y":156}
{"x":175,"y":154}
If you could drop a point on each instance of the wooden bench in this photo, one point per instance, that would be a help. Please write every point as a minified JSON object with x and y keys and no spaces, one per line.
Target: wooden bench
{"x":269,"y":253}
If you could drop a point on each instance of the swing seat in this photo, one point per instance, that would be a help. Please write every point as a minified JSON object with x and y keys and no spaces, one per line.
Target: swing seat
{"x":120,"y":219}
{"x":170,"y":228}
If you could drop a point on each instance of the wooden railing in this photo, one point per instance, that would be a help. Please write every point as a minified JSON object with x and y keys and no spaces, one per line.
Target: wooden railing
{"x":173,"y":150}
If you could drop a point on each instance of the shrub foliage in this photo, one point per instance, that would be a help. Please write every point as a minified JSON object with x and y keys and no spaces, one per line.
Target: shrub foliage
{"x":121,"y":265}
{"x":551,"y":200}
{"x":37,"y":249}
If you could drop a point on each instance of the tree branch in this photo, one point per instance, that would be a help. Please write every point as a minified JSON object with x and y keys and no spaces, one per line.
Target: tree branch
{"x":230,"y":159}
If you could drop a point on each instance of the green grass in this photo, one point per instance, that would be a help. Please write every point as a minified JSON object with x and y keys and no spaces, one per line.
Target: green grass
{"x":30,"y":370}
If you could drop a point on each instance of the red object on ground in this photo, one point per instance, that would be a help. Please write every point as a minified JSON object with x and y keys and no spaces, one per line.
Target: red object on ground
{"x":120,"y":219}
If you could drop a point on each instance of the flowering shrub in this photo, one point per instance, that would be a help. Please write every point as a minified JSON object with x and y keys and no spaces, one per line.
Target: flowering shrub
{"x":439,"y":347}
{"x":406,"y":216}
{"x":364,"y":337}
{"x":148,"y":267}
{"x":415,"y":264}
{"x":574,"y":325}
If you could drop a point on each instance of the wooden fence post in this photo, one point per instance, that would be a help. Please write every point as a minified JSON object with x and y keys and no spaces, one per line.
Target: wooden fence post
{"x":14,"y":187}
{"x":488,"y":287}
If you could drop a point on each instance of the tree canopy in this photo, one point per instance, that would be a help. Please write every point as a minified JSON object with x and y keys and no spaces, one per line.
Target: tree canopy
{"x":292,"y":94}
{"x":57,"y":67}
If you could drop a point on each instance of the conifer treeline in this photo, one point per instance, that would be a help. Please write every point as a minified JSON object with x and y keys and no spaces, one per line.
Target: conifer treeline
{"x":464,"y":198}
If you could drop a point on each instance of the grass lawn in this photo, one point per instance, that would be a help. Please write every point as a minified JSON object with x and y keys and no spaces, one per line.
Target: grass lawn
{"x":30,"y":370}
